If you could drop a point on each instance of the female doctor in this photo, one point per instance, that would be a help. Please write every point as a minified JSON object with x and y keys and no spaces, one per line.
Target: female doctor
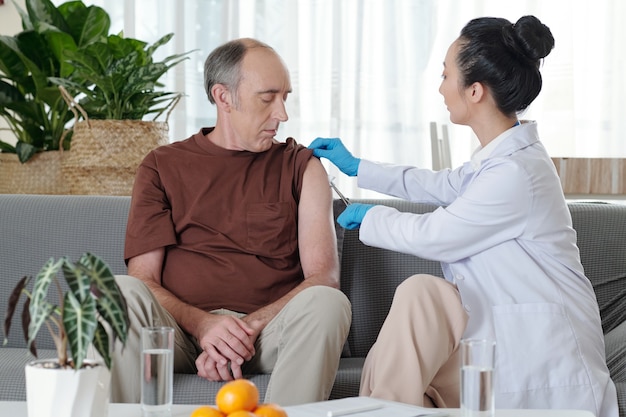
{"x":504,"y":237}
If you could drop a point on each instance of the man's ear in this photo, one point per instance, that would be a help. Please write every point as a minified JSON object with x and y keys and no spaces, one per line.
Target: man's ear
{"x":475,"y":92}
{"x":222,"y":96}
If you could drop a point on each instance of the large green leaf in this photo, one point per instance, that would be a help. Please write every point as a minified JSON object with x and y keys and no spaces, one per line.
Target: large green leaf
{"x":40,"y":309}
{"x":11,"y":63}
{"x":78,"y":282}
{"x":80,"y":322}
{"x":91,"y":61}
{"x":37,"y":56}
{"x":87,"y":24}
{"x":36,"y":319}
{"x":162,"y":41}
{"x":43,"y":11}
{"x":26,"y":23}
{"x":120,"y":46}
{"x":6,"y":147}
{"x":58,"y":42}
{"x":101,"y":343}
{"x":110,"y":301}
{"x":9,"y":94}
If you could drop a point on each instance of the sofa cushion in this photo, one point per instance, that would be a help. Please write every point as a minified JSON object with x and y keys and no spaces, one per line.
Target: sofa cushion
{"x":369,"y":277}
{"x":602,"y":243}
{"x":35,"y":228}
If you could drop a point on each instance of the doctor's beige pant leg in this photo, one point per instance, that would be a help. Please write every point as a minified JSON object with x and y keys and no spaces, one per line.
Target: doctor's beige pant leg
{"x":415,"y":359}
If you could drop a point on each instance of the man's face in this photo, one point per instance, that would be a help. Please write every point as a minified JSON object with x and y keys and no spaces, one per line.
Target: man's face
{"x":259,"y":103}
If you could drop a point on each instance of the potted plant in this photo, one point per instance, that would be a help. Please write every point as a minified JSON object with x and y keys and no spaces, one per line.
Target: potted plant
{"x":93,"y":300}
{"x":29,"y":102}
{"x":31,"y":105}
{"x":117,"y":80}
{"x":112,"y":77}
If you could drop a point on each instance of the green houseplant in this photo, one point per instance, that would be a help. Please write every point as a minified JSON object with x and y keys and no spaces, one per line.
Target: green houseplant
{"x":117,"y":78}
{"x":30,"y":103}
{"x":109,"y":77}
{"x":113,"y":86}
{"x":71,"y":385}
{"x":77,"y":320}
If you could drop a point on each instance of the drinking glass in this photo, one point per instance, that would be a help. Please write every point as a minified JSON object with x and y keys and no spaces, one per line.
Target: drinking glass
{"x":477,"y":364}
{"x":157,"y":371}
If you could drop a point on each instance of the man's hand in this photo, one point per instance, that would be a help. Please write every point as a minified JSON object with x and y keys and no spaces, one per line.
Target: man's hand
{"x":227,"y":342}
{"x":333,"y":150}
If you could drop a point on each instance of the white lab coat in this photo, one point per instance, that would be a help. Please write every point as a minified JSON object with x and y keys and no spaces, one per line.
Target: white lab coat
{"x":505,"y":238}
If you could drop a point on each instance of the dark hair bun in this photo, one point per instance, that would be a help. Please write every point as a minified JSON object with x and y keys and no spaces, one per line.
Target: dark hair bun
{"x":529,"y":38}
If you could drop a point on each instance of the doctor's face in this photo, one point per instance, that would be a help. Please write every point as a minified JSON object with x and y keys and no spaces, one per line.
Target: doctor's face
{"x":451,"y":90}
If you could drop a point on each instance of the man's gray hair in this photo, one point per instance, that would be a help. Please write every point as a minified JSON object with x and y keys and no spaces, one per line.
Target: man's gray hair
{"x":223,"y":65}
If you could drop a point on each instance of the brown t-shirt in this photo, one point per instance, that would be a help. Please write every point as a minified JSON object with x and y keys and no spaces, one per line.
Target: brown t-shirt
{"x":227,"y":219}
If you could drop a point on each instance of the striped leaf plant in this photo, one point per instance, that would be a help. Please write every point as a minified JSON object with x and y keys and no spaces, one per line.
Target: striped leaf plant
{"x":92,"y":302}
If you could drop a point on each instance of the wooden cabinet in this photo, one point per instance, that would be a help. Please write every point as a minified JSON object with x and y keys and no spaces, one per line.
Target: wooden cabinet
{"x":592,"y":176}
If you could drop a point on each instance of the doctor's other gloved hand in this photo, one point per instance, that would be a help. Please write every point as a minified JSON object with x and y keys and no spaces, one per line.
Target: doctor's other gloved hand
{"x":352,"y":216}
{"x":333,"y":150}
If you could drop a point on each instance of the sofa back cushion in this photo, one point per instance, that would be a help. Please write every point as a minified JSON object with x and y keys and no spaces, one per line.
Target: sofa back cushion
{"x":369,"y":277}
{"x":601,"y":230}
{"x":34,"y":228}
{"x":37,"y":227}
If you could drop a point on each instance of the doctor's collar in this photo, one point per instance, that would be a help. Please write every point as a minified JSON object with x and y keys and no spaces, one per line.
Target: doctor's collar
{"x":480,"y":154}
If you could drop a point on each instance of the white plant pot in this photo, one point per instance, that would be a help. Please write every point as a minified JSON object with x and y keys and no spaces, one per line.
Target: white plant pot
{"x":67,"y":393}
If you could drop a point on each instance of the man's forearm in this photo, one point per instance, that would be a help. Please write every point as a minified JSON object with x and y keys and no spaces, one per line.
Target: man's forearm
{"x":188,"y":317}
{"x":147,"y":268}
{"x":261,"y":317}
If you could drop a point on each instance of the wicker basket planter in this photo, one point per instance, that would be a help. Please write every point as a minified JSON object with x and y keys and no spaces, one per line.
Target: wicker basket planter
{"x":42,"y":174}
{"x":105,"y":154}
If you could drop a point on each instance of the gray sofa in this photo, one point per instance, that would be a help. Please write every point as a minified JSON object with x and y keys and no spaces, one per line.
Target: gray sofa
{"x":34,"y":228}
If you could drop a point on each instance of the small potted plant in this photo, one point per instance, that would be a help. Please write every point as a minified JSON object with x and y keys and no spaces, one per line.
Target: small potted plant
{"x":93,"y":300}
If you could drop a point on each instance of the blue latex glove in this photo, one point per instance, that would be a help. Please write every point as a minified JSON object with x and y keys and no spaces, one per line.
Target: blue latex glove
{"x":333,"y":150}
{"x":352,"y":216}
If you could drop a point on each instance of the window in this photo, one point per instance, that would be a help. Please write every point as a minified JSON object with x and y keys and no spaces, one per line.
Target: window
{"x":368,"y":71}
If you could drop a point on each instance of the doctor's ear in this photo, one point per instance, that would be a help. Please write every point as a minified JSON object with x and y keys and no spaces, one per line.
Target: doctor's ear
{"x":475,"y":92}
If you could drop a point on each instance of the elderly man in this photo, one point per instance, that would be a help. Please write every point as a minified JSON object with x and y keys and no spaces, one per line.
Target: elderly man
{"x":231,"y":241}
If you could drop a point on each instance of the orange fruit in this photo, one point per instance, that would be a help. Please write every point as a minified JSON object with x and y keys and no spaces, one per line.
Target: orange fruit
{"x":241,"y":413}
{"x":270,"y":410}
{"x":206,"y":411}
{"x":236,"y":395}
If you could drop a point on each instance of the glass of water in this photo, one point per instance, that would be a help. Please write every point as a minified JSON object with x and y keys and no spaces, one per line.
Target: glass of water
{"x":477,"y":390}
{"x":157,"y":371}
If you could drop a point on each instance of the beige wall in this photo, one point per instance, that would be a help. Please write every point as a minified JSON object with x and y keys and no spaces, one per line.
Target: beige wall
{"x":10,"y":24}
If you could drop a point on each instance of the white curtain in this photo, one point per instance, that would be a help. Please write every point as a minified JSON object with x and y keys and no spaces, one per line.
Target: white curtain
{"x":368,"y":71}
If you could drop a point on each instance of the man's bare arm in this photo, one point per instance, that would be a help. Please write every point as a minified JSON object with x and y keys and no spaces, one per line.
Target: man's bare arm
{"x":316,"y":240}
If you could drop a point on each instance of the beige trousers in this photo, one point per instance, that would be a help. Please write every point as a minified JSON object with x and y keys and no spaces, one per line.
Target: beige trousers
{"x":415,"y":359}
{"x":301,"y":346}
